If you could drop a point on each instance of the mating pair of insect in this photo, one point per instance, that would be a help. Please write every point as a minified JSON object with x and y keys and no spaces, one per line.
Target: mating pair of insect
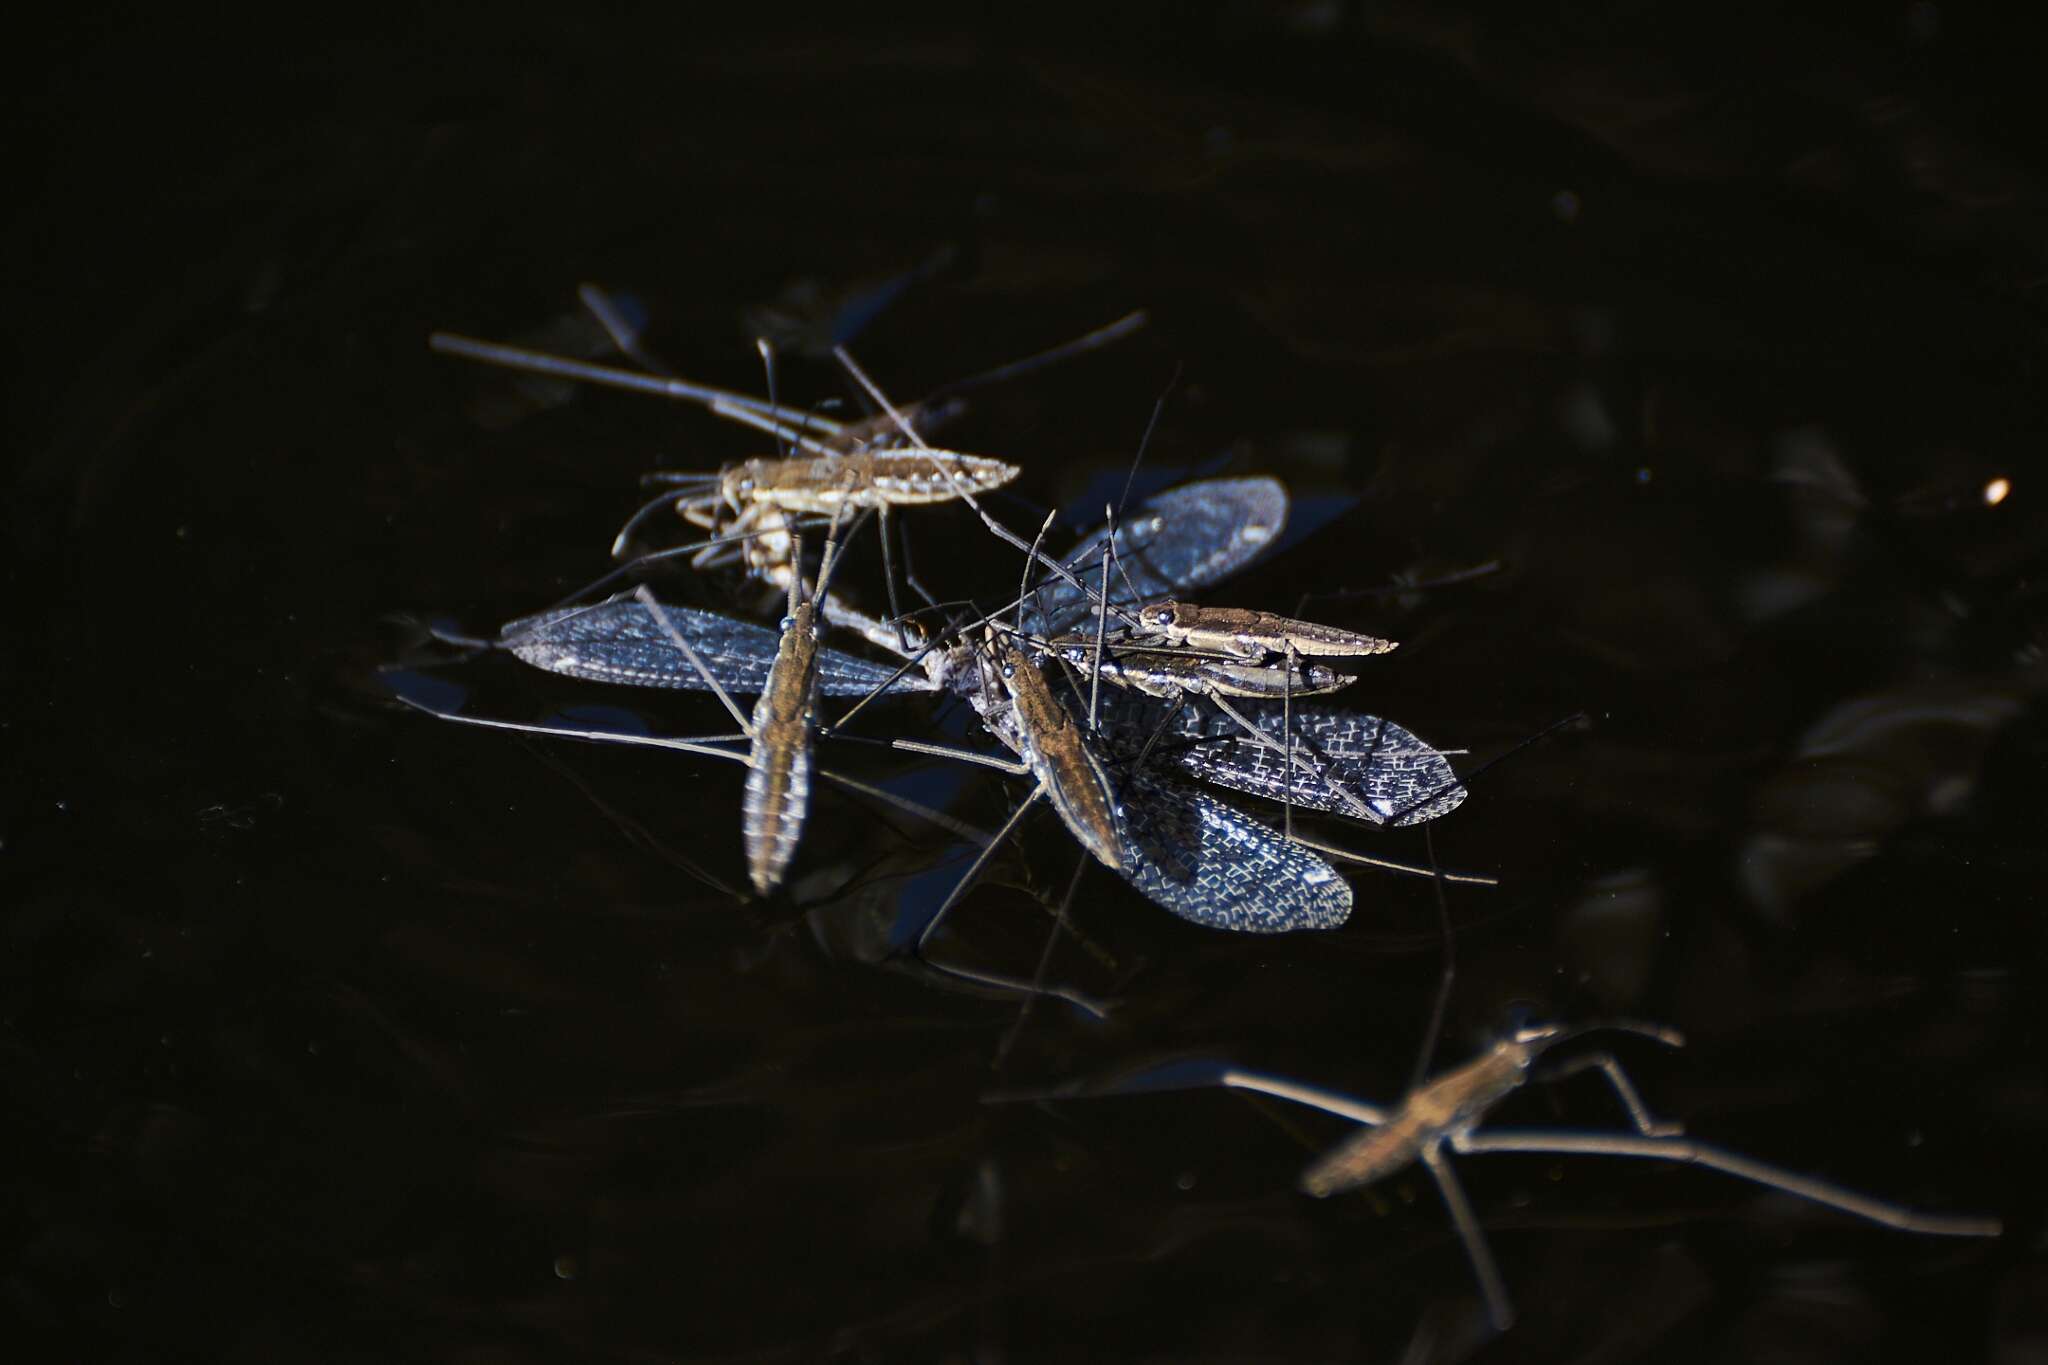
{"x":1197,"y":856}
{"x":1200,"y":858}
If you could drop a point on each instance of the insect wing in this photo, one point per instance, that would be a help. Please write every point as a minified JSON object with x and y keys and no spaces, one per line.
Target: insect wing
{"x":1400,"y":779}
{"x":1186,"y":537}
{"x":620,"y":642}
{"x":1219,"y":867}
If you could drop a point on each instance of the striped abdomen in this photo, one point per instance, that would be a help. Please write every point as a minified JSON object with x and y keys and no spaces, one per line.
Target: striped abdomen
{"x":777,"y":794}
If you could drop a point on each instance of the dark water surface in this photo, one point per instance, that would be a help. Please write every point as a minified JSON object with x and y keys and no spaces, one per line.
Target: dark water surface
{"x":333,"y":1033}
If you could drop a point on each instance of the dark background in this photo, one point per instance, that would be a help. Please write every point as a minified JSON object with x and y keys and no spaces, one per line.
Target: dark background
{"x":330,"y":1033}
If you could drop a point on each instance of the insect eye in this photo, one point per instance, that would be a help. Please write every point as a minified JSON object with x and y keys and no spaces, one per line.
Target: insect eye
{"x":788,"y":622}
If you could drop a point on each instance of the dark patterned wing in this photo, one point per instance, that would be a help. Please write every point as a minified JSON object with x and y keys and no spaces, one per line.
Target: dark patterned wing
{"x":1185,"y":537}
{"x":1207,"y":862}
{"x":1217,"y":866}
{"x":1398,"y":778}
{"x":619,"y":642}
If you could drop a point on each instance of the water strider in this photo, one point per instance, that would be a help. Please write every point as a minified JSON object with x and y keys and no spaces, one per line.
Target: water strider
{"x":776,"y":797}
{"x":827,"y":466}
{"x":1443,"y":1115}
{"x":1241,"y":633}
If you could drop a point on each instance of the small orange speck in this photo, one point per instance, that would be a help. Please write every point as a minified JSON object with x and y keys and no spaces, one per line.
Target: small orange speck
{"x":1995,"y":492}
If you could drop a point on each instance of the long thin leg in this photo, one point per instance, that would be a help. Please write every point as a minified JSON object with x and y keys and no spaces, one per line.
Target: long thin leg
{"x":909,"y":663}
{"x":622,"y":543}
{"x":1391,"y":865}
{"x":539,"y":362}
{"x":1052,"y":939}
{"x":1685,"y":1151}
{"x":1024,"y":582}
{"x":918,"y":746}
{"x":1287,"y":729}
{"x":1352,"y":805}
{"x":1427,"y":1052}
{"x":960,"y":489}
{"x":981,"y":860}
{"x":910,"y":568}
{"x":781,"y":431}
{"x":889,"y":578}
{"x":675,"y":638}
{"x":703,"y":745}
{"x":1624,"y":1089}
{"x":1400,"y":589}
{"x":1204,"y":1075}
{"x":1088,"y":341}
{"x":1101,"y":627}
{"x":1329,"y":1101}
{"x":1425,"y":801}
{"x":695,"y":550}
{"x":1491,"y":1287}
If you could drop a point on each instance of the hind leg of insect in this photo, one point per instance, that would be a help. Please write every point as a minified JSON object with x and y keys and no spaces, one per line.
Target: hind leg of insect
{"x":1028,"y":988}
{"x":960,"y":887}
{"x":703,"y":745}
{"x":1685,"y":1151}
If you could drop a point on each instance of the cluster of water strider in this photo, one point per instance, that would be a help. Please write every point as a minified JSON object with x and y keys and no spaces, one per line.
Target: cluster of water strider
{"x":1115,"y":695}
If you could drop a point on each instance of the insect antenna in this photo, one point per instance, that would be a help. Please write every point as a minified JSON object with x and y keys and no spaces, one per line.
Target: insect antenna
{"x":1573,"y":721}
{"x":1087,"y":341}
{"x":1451,"y":579}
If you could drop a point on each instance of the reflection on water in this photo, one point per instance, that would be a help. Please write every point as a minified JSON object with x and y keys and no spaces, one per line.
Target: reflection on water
{"x":330,"y":1027}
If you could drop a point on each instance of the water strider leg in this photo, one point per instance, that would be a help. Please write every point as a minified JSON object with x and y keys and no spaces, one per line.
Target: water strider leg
{"x":622,"y":543}
{"x":960,"y":489}
{"x":918,"y":746}
{"x":1685,"y":1151}
{"x":774,"y":426}
{"x":960,"y":889}
{"x":1425,"y":801}
{"x":1101,"y":623}
{"x":1624,"y":1089}
{"x":701,"y":553}
{"x":1287,"y":729}
{"x":675,"y":637}
{"x":1392,"y":865}
{"x":1491,"y":1287}
{"x":1426,"y":1054}
{"x":910,"y":569}
{"x":702,"y":745}
{"x":1052,"y":938}
{"x":889,"y":578}
{"x":561,"y":367}
{"x":1353,"y":806}
{"x":1205,"y":1076}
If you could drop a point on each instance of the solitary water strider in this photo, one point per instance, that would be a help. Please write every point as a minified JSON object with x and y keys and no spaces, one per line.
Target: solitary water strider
{"x":1442,"y":1115}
